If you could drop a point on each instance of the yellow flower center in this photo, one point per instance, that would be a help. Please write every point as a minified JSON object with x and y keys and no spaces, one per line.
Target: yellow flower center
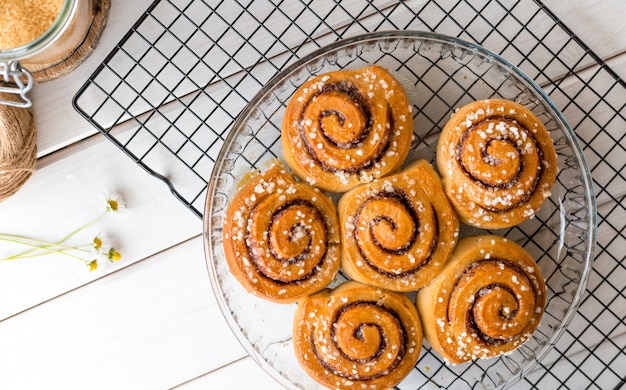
{"x":112,"y":204}
{"x":114,"y":255}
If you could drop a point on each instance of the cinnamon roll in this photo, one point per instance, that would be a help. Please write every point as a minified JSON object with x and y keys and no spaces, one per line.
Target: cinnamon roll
{"x":488,"y":300}
{"x":347,"y":127}
{"x":397,"y":231}
{"x":497,"y":163}
{"x":281,"y":237}
{"x":357,"y":336}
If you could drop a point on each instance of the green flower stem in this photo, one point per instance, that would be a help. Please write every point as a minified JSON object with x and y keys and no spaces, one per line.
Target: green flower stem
{"x":85,"y":226}
{"x":45,"y":244}
{"x":36,"y":244}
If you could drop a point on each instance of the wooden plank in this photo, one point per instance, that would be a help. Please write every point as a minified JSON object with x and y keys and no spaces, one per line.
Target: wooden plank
{"x":237,"y":375}
{"x":153,"y":324}
{"x":606,"y":38}
{"x":598,"y":132}
{"x":580,"y":355}
{"x":63,"y":194}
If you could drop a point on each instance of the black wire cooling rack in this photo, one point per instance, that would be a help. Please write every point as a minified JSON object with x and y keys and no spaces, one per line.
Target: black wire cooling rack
{"x":169,"y":92}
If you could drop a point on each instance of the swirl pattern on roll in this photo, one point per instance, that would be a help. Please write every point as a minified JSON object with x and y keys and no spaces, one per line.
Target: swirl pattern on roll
{"x":281,"y":237}
{"x":357,"y":336}
{"x":397,"y":231}
{"x":488,"y":300}
{"x":346,"y":127}
{"x":497,"y":163}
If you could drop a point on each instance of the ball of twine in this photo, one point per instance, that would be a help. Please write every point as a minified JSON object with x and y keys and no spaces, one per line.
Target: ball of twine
{"x":18,"y":147}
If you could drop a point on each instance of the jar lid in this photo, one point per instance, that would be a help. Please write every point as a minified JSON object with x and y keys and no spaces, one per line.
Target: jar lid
{"x":18,"y":146}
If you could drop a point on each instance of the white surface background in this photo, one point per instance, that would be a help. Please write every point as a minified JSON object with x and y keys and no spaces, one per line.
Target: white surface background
{"x":151,"y":320}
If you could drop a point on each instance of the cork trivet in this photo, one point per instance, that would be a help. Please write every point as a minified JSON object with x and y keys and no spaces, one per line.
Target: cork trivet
{"x":18,"y":147}
{"x":84,"y":50}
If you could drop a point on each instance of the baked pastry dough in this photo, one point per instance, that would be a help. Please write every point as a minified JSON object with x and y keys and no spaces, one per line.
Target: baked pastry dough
{"x":347,"y":127}
{"x":397,"y":231}
{"x":281,"y":237}
{"x":488,"y":300}
{"x":497,"y":163}
{"x":357,"y":337}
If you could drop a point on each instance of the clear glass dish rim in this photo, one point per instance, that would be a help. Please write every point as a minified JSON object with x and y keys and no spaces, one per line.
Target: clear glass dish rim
{"x":417,"y":35}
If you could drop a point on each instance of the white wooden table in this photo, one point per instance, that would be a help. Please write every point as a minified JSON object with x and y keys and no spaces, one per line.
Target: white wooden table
{"x":151,"y":320}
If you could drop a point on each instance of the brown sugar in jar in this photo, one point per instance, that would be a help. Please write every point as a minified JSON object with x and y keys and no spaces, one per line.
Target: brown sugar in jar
{"x":22,"y":21}
{"x":41,"y":40}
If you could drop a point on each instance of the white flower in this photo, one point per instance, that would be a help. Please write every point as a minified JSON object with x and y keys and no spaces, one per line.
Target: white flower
{"x":114,"y":203}
{"x":94,"y":253}
{"x":98,"y":243}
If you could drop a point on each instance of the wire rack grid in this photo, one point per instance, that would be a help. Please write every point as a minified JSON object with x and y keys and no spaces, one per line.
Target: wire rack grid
{"x":169,"y":92}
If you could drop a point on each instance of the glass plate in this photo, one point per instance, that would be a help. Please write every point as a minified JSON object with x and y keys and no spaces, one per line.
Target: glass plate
{"x":440,"y":74}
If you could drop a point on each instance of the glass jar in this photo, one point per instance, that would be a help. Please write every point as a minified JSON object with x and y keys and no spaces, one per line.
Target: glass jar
{"x":60,"y":49}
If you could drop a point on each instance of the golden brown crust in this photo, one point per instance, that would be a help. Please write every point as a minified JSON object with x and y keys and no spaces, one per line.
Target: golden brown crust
{"x":398,"y":231}
{"x":488,"y":300}
{"x":346,"y":127}
{"x":497,"y":163}
{"x":357,"y":336}
{"x":281,"y":237}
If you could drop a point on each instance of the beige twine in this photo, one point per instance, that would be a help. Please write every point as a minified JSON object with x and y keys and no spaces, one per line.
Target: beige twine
{"x":18,"y":147}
